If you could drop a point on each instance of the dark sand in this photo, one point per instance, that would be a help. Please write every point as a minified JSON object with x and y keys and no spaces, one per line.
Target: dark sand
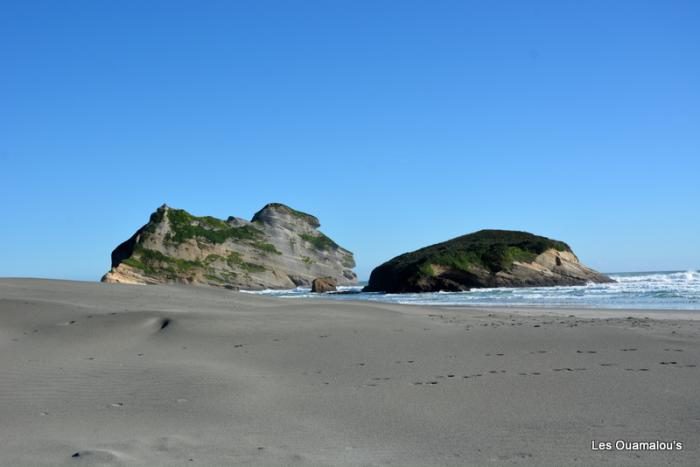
{"x":97,"y":374}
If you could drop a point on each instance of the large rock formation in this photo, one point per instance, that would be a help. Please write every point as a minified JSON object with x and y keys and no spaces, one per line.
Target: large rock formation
{"x":280,"y":248}
{"x":488,"y":258}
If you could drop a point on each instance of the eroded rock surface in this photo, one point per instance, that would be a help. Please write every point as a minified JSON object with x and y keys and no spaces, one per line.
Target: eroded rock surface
{"x":280,"y":248}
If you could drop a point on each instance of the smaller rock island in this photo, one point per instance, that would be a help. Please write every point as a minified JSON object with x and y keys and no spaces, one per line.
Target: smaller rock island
{"x":487,"y":258}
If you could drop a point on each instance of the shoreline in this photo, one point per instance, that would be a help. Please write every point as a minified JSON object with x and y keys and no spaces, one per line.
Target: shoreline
{"x":654,"y":293}
{"x":159,"y":375}
{"x":591,"y":312}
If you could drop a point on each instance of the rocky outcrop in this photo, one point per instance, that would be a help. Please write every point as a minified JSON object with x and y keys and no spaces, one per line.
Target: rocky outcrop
{"x":488,"y":258}
{"x":280,"y":248}
{"x":323,"y":285}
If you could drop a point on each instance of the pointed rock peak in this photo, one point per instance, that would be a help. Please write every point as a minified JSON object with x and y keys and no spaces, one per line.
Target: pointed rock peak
{"x":275,"y":212}
{"x":158,"y":215}
{"x":236,"y":221}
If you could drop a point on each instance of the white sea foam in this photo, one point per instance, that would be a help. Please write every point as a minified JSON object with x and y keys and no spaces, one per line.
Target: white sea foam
{"x":678,"y":290}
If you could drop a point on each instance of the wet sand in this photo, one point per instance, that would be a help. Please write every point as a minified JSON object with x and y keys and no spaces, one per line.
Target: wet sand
{"x":102,"y":374}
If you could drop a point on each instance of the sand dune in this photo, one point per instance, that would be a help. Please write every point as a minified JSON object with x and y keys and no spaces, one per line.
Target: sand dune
{"x":107,"y":374}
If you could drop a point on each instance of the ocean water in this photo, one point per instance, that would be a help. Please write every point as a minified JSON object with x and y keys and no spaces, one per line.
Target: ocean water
{"x":674,"y":290}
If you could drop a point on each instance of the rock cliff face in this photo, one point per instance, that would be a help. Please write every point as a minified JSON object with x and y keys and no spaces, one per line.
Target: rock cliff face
{"x":488,"y":258}
{"x":280,"y":248}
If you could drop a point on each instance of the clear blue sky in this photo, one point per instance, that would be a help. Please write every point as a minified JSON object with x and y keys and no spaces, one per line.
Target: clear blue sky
{"x":398,"y":124}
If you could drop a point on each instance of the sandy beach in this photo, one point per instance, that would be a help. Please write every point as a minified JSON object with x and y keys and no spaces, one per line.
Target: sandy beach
{"x":109,"y":374}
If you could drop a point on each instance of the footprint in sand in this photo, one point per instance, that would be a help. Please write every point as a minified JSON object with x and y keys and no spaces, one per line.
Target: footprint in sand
{"x":101,"y":457}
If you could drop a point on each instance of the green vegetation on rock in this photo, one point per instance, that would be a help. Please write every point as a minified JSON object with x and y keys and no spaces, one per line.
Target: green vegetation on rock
{"x":493,"y":250}
{"x":320,"y":242}
{"x":214,"y":278}
{"x":154,"y":262}
{"x":426,"y":269}
{"x":235,"y":261}
{"x":135,"y":263}
{"x":267,"y":248}
{"x":184,"y":225}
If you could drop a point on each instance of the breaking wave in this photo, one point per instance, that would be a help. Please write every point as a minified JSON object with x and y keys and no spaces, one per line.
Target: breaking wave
{"x":676,"y":290}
